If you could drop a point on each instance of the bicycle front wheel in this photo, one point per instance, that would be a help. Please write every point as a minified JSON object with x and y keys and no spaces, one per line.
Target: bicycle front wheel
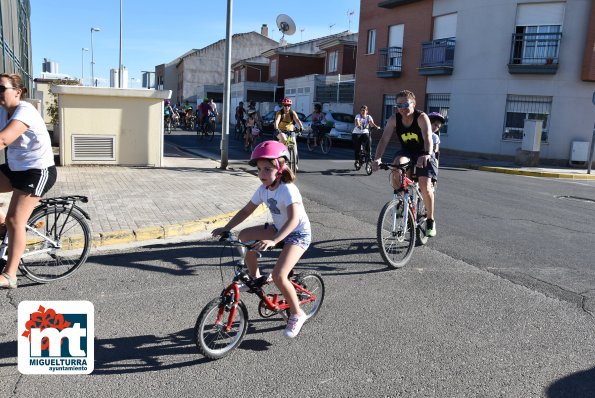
{"x":325,"y":143}
{"x":293,"y":158}
{"x":310,"y":299}
{"x":58,"y":241}
{"x":395,"y":240}
{"x":211,"y":336}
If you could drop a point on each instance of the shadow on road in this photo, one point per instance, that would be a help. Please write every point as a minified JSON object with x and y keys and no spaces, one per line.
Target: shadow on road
{"x":579,"y":384}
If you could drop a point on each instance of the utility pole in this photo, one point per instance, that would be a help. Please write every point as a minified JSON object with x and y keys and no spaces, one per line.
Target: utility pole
{"x":226,"y":91}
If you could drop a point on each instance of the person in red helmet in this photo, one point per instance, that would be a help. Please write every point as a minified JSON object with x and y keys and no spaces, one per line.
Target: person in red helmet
{"x":290,"y":224}
{"x":286,"y":120}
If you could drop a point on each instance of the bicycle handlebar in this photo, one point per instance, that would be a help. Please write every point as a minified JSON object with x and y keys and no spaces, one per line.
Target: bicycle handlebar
{"x":227,"y":236}
{"x":402,"y":166}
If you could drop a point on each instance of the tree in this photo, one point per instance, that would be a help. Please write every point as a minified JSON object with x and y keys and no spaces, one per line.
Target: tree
{"x":52,"y":104}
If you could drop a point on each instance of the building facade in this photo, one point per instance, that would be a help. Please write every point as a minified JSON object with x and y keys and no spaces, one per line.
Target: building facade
{"x":487,"y":66}
{"x":187,"y":75}
{"x":15,"y":39}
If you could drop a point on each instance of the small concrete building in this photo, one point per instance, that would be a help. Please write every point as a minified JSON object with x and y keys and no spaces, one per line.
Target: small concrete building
{"x":187,"y":75}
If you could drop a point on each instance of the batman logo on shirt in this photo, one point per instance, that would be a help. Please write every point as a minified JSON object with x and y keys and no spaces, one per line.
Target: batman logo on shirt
{"x":409,"y":136}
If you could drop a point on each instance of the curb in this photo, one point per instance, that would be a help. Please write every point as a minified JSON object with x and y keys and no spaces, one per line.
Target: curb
{"x":507,"y":170}
{"x":166,"y":231}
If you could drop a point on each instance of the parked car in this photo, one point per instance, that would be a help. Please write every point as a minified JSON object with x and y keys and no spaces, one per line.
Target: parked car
{"x":341,"y":125}
{"x":268,"y":121}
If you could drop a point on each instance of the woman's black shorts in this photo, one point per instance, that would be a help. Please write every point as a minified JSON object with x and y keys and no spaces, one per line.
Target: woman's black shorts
{"x":33,"y":181}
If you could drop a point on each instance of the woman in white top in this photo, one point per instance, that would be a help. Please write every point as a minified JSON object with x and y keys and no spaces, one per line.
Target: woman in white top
{"x":361,"y":133}
{"x":29,"y":171}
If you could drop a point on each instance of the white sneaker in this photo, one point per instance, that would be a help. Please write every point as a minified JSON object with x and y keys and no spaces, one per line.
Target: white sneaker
{"x":294,"y":325}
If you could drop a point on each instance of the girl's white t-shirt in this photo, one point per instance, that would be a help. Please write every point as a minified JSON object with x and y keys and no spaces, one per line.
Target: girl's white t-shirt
{"x":33,"y":148}
{"x":364,"y":122}
{"x":278,"y":200}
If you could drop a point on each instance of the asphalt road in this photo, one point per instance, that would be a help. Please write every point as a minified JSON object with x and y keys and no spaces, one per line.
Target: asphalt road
{"x":447,"y":325}
{"x":537,"y":232}
{"x":439,"y":327}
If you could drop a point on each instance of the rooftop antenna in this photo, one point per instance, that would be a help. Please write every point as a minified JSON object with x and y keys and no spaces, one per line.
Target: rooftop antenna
{"x":302,"y":34}
{"x":286,"y":26}
{"x":350,"y":16}
{"x":330,"y":29}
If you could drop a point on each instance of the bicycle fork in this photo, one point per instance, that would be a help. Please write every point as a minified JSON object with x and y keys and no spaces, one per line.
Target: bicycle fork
{"x":400,"y":230}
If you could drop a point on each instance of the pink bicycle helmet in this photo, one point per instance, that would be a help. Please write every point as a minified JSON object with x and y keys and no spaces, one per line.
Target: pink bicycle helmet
{"x":286,"y":101}
{"x":269,"y":150}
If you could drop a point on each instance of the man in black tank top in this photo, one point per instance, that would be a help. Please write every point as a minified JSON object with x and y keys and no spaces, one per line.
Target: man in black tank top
{"x":414,"y":132}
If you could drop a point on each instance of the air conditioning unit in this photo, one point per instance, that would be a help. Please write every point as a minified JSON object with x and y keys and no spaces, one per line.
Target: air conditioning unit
{"x":579,"y":153}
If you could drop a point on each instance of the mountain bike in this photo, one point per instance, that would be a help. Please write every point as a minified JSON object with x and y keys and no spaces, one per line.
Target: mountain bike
{"x":222,"y":324}
{"x":58,"y":239}
{"x":402,"y":221}
{"x":322,"y":137}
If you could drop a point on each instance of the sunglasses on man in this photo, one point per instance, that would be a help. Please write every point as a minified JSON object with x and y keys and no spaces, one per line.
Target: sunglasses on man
{"x":4,"y":88}
{"x":402,"y":105}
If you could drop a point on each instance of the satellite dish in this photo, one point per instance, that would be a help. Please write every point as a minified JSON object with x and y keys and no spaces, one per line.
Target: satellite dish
{"x":285,"y":25}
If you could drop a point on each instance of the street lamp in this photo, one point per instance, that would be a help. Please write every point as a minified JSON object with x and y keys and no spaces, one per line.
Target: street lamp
{"x":92,"y":57}
{"x":83,"y":65}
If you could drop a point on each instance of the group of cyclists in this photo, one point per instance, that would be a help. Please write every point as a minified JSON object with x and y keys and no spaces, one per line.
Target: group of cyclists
{"x":184,"y":116}
{"x":415,"y":131}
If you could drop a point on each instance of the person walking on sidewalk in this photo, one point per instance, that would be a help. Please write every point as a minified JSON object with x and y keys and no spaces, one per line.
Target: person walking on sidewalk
{"x":414,"y":132}
{"x":29,"y":171}
{"x":290,"y":224}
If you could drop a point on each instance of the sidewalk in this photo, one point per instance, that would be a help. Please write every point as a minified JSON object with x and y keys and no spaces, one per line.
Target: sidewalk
{"x":500,"y":166}
{"x":131,"y":204}
{"x":192,"y":195}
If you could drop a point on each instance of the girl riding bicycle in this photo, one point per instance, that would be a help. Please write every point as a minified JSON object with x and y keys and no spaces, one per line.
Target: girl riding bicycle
{"x":290,"y":224}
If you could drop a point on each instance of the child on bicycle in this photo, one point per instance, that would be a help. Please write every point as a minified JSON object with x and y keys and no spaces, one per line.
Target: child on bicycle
{"x":252,"y":129}
{"x":290,"y":224}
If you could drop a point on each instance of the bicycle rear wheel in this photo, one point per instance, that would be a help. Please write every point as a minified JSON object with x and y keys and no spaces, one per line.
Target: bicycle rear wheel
{"x":211,"y":338}
{"x":325,"y":143}
{"x":422,"y":226}
{"x":396,"y":241}
{"x":313,"y":283}
{"x":57,"y":244}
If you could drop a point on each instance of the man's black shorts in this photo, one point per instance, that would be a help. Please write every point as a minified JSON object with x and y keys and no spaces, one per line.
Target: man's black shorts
{"x":431,"y":169}
{"x":33,"y":181}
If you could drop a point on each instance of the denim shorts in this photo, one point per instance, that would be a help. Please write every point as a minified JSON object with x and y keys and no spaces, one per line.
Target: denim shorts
{"x":297,"y":238}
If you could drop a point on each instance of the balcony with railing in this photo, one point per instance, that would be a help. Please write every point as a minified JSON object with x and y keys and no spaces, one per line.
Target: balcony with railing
{"x":389,"y":62}
{"x":536,"y":53}
{"x":437,"y":57}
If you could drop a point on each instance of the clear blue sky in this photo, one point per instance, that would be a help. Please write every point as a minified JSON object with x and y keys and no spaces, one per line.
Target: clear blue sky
{"x":156,"y":32}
